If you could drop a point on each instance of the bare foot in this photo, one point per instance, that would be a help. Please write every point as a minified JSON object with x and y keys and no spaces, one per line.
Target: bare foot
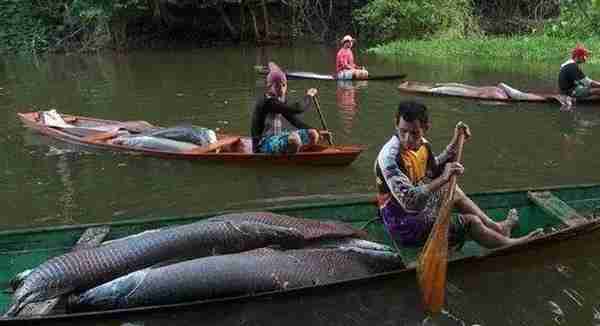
{"x":532,"y":235}
{"x":511,"y":221}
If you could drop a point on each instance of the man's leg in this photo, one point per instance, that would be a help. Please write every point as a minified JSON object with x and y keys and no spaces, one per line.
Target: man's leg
{"x":489,"y":238}
{"x":466,"y":206}
{"x":360,"y":74}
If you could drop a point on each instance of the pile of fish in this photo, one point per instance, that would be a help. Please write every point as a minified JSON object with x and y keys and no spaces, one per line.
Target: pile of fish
{"x":226,"y":255}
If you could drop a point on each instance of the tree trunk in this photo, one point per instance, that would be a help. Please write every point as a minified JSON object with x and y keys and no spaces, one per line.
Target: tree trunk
{"x":254,"y":24}
{"x":266,"y":18}
{"x":232,"y":30}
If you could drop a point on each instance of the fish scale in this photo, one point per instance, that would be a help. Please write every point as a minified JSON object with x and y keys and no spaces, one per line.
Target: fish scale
{"x":83,"y":269}
{"x":255,"y":271}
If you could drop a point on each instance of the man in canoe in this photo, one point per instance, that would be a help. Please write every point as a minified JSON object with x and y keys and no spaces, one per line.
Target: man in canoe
{"x":344,"y":62}
{"x":266,"y":131}
{"x":411,"y":180}
{"x":573,"y":83}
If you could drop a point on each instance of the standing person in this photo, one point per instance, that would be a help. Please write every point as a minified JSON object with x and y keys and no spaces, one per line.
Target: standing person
{"x":266,"y":131}
{"x":410,"y":182}
{"x":572,"y":82}
{"x":344,"y":62}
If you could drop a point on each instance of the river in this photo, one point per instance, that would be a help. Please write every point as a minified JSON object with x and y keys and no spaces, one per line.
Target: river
{"x":519,"y":145}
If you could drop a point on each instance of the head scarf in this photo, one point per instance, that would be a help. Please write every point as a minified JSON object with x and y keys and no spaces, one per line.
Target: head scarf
{"x":580,"y":52}
{"x":275,"y":77}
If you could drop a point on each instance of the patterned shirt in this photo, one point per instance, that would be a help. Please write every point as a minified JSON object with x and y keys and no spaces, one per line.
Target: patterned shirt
{"x":394,"y":183}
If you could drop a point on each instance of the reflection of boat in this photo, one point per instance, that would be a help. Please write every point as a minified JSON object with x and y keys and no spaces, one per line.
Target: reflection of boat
{"x":97,"y":133}
{"x":316,"y":76}
{"x":563,"y":212}
{"x":502,"y":92}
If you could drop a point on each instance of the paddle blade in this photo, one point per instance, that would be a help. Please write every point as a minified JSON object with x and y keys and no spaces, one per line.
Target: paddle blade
{"x":433,"y":263}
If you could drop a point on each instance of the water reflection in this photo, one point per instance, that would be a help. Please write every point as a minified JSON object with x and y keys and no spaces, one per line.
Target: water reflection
{"x":575,"y":126}
{"x":345,"y":96}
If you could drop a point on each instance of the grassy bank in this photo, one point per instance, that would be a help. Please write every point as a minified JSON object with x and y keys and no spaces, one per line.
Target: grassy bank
{"x":518,"y":49}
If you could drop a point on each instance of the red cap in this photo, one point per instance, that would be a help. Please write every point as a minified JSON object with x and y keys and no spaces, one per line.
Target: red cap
{"x":580,"y":52}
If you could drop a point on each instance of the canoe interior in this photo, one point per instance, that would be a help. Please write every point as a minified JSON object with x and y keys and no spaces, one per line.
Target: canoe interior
{"x":23,"y":249}
{"x":85,"y":131}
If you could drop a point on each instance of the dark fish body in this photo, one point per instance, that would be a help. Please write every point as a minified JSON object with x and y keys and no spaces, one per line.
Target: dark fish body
{"x":250,"y":272}
{"x":83,"y":269}
{"x":191,"y":134}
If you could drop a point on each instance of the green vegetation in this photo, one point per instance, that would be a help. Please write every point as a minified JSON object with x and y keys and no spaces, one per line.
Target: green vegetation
{"x":526,"y":48}
{"x":530,"y":29}
{"x":542,"y":39}
{"x":48,"y":25}
{"x":385,"y":20}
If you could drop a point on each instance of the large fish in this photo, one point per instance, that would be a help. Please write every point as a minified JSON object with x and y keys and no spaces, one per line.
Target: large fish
{"x":83,"y":269}
{"x":255,"y":271}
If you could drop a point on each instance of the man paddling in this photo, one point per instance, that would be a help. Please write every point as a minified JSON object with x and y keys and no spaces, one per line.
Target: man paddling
{"x":266,"y":131}
{"x":345,"y":68}
{"x":572,"y":82}
{"x":410,"y":182}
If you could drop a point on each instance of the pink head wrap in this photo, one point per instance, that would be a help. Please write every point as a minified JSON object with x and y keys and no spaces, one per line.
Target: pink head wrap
{"x":274,"y":78}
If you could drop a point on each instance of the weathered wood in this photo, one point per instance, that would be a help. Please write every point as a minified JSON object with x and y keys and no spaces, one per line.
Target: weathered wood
{"x":553,"y":206}
{"x":328,"y":155}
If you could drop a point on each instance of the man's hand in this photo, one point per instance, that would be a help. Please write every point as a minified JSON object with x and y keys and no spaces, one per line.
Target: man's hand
{"x":312,"y":92}
{"x":452,"y":168}
{"x":325,"y":133}
{"x":461,"y":127}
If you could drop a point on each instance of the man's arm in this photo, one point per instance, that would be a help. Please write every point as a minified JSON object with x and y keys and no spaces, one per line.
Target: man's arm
{"x":410,"y":197}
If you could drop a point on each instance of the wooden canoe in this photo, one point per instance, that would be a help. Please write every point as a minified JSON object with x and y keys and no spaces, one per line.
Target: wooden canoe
{"x":316,"y":76}
{"x":96,"y":133}
{"x":563,"y":212}
{"x":483,"y":93}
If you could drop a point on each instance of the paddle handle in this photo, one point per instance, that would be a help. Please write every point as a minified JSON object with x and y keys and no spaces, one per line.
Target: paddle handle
{"x":459,"y":154}
{"x":316,"y":100}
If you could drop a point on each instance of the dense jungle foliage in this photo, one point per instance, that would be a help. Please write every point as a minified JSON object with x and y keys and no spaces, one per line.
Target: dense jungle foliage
{"x":31,"y":26}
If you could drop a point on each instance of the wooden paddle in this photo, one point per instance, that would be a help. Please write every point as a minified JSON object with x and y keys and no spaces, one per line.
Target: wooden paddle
{"x":433,"y":261}
{"x":329,"y":138}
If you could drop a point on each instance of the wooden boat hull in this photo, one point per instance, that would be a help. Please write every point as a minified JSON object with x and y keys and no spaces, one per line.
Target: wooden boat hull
{"x":553,"y":209}
{"x":322,"y":155}
{"x":430,"y":89}
{"x":316,"y":76}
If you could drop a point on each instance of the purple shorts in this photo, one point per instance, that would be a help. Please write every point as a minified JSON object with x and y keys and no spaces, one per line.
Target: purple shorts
{"x":412,"y":229}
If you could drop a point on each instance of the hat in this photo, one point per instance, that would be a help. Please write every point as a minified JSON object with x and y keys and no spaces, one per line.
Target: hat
{"x":275,"y":77}
{"x":347,"y":38}
{"x":580,"y":52}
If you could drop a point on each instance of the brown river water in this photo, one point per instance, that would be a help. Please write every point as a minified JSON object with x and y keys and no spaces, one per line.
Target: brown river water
{"x":520,"y":145}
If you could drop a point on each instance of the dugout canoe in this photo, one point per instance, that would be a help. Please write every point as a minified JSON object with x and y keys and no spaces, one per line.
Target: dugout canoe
{"x":316,"y":76}
{"x":484,"y":93}
{"x":97,"y":133}
{"x":564,"y":213}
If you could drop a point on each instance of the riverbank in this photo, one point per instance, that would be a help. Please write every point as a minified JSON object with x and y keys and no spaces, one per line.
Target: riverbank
{"x":525,"y":49}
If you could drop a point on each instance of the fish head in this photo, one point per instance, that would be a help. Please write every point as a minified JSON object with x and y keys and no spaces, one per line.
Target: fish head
{"x":110,"y":295}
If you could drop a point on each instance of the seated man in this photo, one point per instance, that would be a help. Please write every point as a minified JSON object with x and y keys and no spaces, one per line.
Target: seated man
{"x":345,"y":68}
{"x":267,"y":136}
{"x":572,"y":81}
{"x":410,"y":181}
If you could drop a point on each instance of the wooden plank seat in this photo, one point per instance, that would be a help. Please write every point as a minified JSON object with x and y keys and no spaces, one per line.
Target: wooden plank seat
{"x":554,"y":206}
